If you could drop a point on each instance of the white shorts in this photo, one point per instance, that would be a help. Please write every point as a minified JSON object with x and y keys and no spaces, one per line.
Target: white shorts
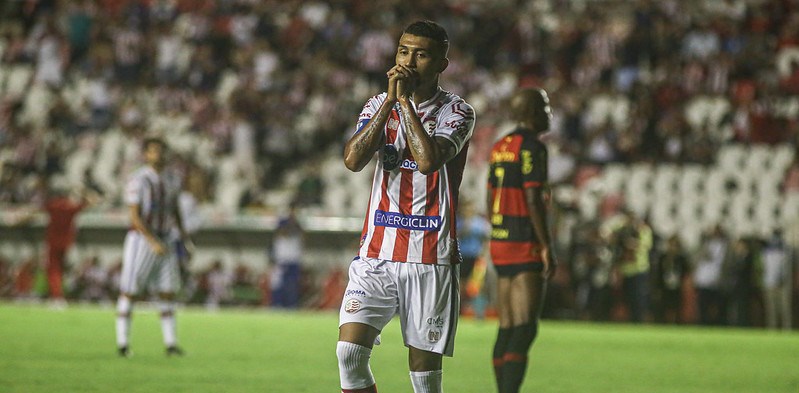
{"x":425,"y":297}
{"x":141,"y":267}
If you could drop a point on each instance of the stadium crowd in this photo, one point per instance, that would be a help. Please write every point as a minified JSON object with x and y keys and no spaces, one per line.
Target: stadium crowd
{"x":245,"y":90}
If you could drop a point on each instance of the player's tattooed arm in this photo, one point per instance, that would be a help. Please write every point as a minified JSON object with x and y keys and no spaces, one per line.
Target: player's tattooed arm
{"x":430,"y":153}
{"x":360,"y":149}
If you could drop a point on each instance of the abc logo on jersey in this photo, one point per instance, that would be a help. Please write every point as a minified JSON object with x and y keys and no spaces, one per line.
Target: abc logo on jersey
{"x":409,"y":164}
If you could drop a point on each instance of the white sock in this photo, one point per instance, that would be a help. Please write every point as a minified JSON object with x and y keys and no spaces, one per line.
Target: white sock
{"x":427,"y":381}
{"x":353,"y":365}
{"x":168,"y":327}
{"x":124,"y":308}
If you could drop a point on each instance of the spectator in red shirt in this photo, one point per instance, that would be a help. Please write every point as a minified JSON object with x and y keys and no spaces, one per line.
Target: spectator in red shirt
{"x":60,"y":234}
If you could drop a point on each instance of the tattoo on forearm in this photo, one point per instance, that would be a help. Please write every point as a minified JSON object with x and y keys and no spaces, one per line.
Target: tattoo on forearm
{"x":413,"y":140}
{"x":366,"y":139}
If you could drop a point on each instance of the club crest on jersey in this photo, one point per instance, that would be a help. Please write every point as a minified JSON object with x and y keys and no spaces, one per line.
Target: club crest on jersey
{"x":393,"y":124}
{"x":429,"y":126}
{"x":391,"y":157}
{"x":403,"y":221}
{"x":352,"y":306}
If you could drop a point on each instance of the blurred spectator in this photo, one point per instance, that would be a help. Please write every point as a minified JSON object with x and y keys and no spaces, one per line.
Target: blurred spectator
{"x":25,"y":278}
{"x":312,"y":187}
{"x":669,"y":272}
{"x":6,"y":277}
{"x":243,"y":286}
{"x":473,"y":231}
{"x":286,"y":256}
{"x":92,"y":281}
{"x":62,"y":209}
{"x":633,"y":240}
{"x":739,"y":280}
{"x":333,"y":287}
{"x":219,"y":283}
{"x":776,"y":283}
{"x":708,"y":277}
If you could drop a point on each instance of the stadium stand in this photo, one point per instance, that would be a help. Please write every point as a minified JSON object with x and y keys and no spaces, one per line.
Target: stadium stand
{"x":683,"y":112}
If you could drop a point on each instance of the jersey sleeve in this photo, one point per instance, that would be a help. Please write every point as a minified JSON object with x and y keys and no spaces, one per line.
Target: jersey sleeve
{"x":133,"y":191}
{"x":456,"y":123}
{"x":533,"y":159}
{"x":369,"y":110}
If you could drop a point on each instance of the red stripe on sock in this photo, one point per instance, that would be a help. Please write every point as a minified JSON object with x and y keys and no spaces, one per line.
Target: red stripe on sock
{"x":498,"y":362}
{"x":370,"y":389}
{"x":514,"y":357}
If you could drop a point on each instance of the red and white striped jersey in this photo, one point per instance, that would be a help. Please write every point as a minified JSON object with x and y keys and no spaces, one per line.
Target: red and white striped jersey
{"x":411,"y":216}
{"x":156,"y":194}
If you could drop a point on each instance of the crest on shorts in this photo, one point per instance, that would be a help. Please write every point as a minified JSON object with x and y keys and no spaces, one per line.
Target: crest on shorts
{"x":352,"y":306}
{"x":433,"y":335}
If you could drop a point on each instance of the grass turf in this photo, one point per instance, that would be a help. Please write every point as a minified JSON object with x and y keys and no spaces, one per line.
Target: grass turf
{"x":44,"y":350}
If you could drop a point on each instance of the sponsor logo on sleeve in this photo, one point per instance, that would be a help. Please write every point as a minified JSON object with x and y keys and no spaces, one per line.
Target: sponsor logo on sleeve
{"x":361,"y":124}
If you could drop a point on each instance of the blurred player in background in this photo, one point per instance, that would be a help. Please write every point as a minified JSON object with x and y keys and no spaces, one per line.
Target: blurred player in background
{"x":62,"y":208}
{"x":521,"y":245}
{"x":150,"y":258}
{"x":473,"y":231}
{"x":407,"y":263}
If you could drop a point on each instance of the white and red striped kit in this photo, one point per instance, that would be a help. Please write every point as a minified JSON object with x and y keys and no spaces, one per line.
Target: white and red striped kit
{"x":411,"y":216}
{"x":156,"y":195}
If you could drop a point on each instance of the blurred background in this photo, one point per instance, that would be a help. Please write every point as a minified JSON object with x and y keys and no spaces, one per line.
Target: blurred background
{"x":674,"y":159}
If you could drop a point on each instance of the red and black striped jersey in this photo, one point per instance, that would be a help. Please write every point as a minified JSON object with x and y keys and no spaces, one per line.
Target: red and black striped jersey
{"x":518,"y":161}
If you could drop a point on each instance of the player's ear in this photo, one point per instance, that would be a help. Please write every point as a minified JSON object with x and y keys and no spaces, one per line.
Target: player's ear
{"x":444,"y":65}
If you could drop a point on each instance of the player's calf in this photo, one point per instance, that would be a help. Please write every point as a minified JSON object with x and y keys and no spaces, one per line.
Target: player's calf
{"x":515,"y":358}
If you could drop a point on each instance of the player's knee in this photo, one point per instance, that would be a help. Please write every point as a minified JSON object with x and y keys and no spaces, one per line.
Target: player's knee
{"x":523,"y":337}
{"x":353,"y":365}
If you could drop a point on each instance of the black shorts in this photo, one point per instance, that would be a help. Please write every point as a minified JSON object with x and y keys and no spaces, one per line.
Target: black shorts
{"x":512,"y":270}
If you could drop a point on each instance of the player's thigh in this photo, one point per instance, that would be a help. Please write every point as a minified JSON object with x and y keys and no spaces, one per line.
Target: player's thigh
{"x":166,"y":274}
{"x":369,"y":300}
{"x":358,"y":333}
{"x":504,"y":302}
{"x":527,"y":293}
{"x":420,"y":360}
{"x":138,"y":262}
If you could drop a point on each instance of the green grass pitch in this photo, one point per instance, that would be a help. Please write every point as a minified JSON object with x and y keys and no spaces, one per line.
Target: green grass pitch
{"x":44,"y":350}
